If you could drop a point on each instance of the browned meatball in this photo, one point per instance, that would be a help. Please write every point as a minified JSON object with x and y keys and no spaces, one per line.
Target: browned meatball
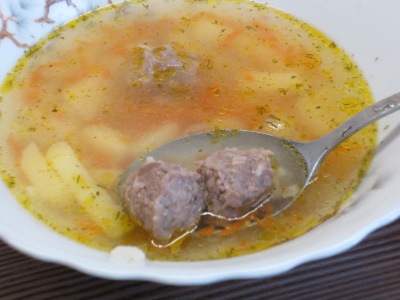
{"x":234,"y":179}
{"x":164,"y":198}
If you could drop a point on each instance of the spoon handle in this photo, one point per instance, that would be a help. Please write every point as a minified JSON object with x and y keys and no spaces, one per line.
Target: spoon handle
{"x":316,"y":151}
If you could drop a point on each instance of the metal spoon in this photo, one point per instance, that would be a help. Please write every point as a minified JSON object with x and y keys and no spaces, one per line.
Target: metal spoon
{"x":300,"y":160}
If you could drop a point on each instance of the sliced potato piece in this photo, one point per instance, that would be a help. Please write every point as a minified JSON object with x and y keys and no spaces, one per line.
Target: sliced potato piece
{"x":208,"y":34}
{"x":155,"y":138}
{"x":45,"y":181}
{"x":95,"y":200}
{"x":106,"y":177}
{"x":313,"y":114}
{"x":106,"y":139}
{"x":87,"y":97}
{"x":278,"y":82}
{"x":111,"y":141}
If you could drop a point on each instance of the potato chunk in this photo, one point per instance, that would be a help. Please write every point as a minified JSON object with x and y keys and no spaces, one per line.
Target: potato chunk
{"x":94,"y":199}
{"x":44,"y":180}
{"x":87,"y":96}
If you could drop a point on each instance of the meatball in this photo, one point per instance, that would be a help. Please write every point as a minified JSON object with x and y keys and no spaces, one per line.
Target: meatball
{"x":164,"y":198}
{"x":234,"y":179}
{"x":166,"y":68}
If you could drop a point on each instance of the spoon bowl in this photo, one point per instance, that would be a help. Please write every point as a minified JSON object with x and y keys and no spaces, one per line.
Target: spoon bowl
{"x":298,"y":162}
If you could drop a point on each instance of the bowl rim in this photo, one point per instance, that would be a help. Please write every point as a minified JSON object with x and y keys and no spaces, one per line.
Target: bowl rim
{"x":320,"y":242}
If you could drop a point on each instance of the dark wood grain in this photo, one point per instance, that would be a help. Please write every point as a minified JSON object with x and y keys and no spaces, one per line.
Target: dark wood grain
{"x":371,"y":270}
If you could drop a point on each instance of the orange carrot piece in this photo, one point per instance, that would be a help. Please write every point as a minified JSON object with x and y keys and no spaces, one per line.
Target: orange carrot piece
{"x":267,"y":208}
{"x":264,"y":224}
{"x":16,"y":148}
{"x":230,"y":38}
{"x":266,"y":33}
{"x":248,"y":77}
{"x":212,"y":17}
{"x":90,"y":228}
{"x":234,"y":227}
{"x":244,"y":243}
{"x":207,"y":231}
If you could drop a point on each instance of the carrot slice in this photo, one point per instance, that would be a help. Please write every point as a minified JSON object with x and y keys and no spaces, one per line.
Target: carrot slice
{"x":91,"y":228}
{"x":206,"y":231}
{"x":234,"y":227}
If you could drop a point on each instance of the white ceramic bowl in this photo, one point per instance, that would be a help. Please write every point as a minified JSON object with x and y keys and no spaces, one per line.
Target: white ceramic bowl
{"x":367,"y":29}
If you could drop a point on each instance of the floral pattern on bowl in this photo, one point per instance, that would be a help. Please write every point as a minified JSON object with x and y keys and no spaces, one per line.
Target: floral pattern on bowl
{"x":23,"y":22}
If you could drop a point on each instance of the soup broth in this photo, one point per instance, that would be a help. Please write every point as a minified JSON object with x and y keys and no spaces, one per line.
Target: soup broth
{"x":104,"y":89}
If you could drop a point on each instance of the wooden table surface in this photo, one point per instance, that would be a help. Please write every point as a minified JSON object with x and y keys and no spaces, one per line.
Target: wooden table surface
{"x":370,"y":270}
